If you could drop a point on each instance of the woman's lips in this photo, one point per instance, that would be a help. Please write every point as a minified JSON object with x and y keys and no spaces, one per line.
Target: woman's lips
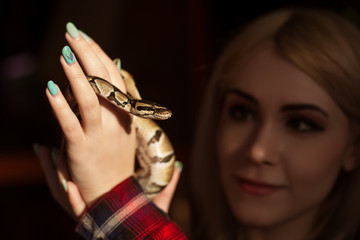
{"x":258,"y":188}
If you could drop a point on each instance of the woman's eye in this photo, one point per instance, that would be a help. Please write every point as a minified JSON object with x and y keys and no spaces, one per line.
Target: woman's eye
{"x":304,"y":125}
{"x":241,"y":113}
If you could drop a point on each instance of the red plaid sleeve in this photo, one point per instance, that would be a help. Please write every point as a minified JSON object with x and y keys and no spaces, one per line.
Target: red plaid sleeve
{"x":126,"y":213}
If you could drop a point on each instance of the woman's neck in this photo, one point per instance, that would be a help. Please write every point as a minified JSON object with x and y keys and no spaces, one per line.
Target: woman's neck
{"x":296,"y":229}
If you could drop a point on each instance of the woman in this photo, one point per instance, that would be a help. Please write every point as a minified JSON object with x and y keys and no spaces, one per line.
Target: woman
{"x":277,"y":150}
{"x":271,"y":142}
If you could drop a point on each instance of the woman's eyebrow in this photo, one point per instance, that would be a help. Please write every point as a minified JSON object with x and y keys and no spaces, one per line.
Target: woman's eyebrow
{"x":243,"y":94}
{"x":288,"y":107}
{"x":299,"y":107}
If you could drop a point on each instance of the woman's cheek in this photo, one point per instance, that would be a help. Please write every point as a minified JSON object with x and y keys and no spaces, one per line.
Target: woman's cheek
{"x":231,"y":140}
{"x":312,"y":169}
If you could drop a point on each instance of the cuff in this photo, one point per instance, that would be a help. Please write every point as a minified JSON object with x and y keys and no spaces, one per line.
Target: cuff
{"x":111,"y":211}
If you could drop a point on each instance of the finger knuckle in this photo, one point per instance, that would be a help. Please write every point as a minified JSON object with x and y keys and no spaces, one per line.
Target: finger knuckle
{"x":90,"y":104}
{"x":69,"y":128}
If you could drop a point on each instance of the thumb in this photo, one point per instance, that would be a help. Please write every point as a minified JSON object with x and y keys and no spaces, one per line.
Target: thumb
{"x":163,"y":199}
{"x":77,"y":203}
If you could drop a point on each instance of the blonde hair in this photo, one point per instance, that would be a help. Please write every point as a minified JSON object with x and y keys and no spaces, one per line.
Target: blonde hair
{"x":327,"y":48}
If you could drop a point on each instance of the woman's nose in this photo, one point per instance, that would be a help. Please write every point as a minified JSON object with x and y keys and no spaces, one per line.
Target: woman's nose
{"x":263,"y":145}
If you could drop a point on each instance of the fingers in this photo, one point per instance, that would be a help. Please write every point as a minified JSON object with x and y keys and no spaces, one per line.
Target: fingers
{"x":62,"y":170}
{"x":48,"y":168}
{"x":91,"y":52}
{"x":62,"y":189}
{"x":163,"y":199}
{"x":85,"y":96}
{"x":78,"y":39}
{"x":76,"y":201}
{"x":51,"y":176}
{"x":89,"y":60}
{"x":116,"y":78}
{"x":93,"y":61}
{"x":67,"y":119}
{"x":70,"y":196}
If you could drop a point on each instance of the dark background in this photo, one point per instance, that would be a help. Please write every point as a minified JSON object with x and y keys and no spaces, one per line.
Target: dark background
{"x":169,"y":46}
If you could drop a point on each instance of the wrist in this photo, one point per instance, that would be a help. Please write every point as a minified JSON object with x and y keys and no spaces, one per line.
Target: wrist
{"x":98,"y":190}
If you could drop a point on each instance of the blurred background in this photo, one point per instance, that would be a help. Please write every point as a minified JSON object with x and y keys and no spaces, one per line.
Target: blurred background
{"x":169,"y":46}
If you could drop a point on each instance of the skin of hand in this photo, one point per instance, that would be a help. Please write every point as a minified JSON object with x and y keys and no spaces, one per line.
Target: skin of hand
{"x":67,"y":194}
{"x":100,"y":148}
{"x":63,"y":190}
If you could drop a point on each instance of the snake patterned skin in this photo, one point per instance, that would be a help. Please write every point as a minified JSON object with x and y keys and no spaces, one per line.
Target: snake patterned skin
{"x":154,"y":151}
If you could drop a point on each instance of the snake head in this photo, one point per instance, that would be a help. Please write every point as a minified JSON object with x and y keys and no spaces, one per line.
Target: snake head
{"x":151,"y":110}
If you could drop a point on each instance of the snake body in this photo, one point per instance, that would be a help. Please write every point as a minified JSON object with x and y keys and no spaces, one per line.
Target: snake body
{"x":135,"y":106}
{"x":154,"y":151}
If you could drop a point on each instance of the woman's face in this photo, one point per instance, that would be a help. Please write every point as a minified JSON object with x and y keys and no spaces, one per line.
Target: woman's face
{"x":281,"y":142}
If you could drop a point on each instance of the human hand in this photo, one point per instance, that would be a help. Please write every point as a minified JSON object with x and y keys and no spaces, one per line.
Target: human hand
{"x":100,"y":148}
{"x":164,"y":198}
{"x":66,"y":193}
{"x":63,"y":190}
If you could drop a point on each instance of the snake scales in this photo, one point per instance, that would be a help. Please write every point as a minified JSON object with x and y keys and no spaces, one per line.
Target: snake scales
{"x":154,"y":151}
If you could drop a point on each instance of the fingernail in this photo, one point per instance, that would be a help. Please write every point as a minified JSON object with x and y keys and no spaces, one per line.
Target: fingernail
{"x":64,"y":184}
{"x":72,"y":30}
{"x":36,"y":149}
{"x":52,"y":87}
{"x":179,"y":165}
{"x":68,"y":55}
{"x":54,"y":152}
{"x":117,"y":61}
{"x":85,"y":36}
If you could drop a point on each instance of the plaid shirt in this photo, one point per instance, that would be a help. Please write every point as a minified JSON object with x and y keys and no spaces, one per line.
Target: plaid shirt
{"x":126,"y":213}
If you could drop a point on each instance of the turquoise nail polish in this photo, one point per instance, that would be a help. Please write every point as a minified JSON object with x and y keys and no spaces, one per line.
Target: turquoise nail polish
{"x":85,"y":36}
{"x":64,"y":184}
{"x":68,"y":55}
{"x":72,"y":30}
{"x":179,"y":165}
{"x":118,"y":64}
{"x":52,"y":87}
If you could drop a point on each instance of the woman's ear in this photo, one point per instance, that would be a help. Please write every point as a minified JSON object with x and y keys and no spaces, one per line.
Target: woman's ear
{"x":352,"y":158}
